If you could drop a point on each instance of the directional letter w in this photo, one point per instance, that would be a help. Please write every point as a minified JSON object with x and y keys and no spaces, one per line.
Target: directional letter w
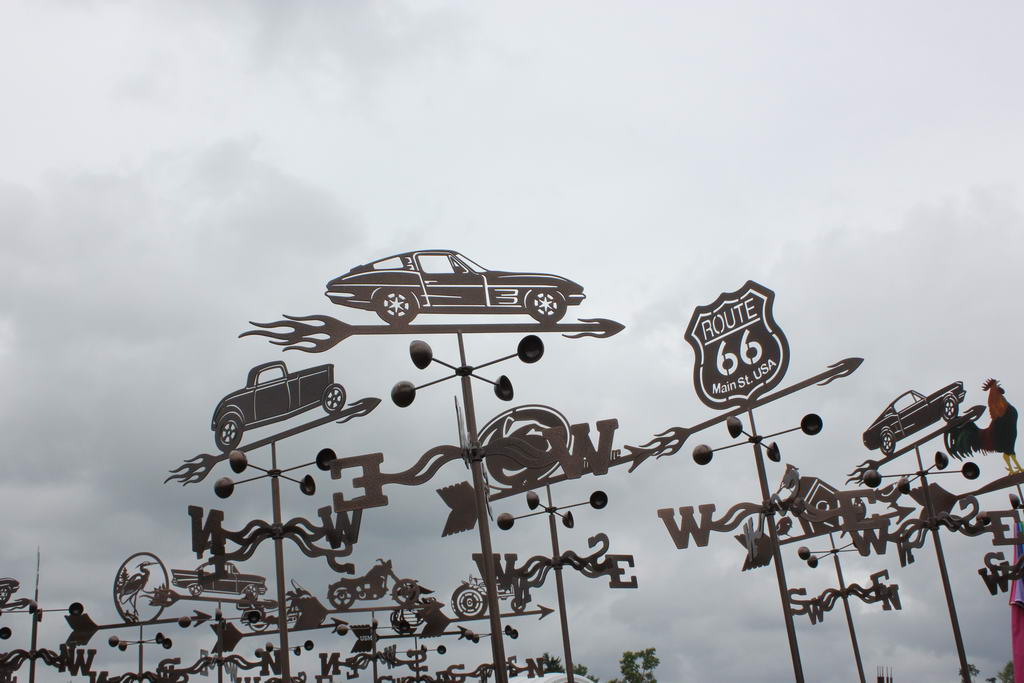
{"x":688,"y":526}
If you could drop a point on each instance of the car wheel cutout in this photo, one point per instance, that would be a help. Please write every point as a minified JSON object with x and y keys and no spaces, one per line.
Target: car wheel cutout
{"x":888,"y":444}
{"x":396,"y":307}
{"x":229,"y":432}
{"x":545,"y":305}
{"x":334,"y":399}
{"x":950,"y":408}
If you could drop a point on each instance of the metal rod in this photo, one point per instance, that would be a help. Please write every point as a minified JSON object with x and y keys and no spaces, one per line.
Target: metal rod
{"x":282,"y":621}
{"x":416,"y":663}
{"x":35,"y":628}
{"x":784,"y":431}
{"x":780,"y":573}
{"x":483,"y":379}
{"x":556,"y":556}
{"x":140,"y":652}
{"x":496,"y":360}
{"x":373,"y":623}
{"x":35,"y":623}
{"x":441,"y":362}
{"x":436,"y":381}
{"x":497,"y":640}
{"x":846,"y":606}
{"x":220,"y":644}
{"x":965,"y":673}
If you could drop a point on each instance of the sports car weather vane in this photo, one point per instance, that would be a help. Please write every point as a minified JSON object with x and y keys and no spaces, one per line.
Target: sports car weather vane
{"x":399,"y":288}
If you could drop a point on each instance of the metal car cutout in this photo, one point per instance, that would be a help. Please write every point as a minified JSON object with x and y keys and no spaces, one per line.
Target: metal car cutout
{"x":400,"y":287}
{"x":8,"y":586}
{"x":205,"y":578}
{"x":272,"y":394}
{"x":911,"y":411}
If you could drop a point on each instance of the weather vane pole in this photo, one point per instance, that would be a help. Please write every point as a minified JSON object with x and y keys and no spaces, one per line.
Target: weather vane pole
{"x":480,"y":488}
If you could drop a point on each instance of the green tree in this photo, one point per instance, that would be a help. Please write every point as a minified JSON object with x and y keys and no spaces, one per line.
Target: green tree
{"x":551,"y":663}
{"x":1006,"y":675}
{"x":638,"y":667}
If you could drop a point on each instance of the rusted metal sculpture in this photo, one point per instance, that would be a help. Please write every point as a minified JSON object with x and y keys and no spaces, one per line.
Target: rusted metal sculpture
{"x":741,"y":357}
{"x":67,"y":659}
{"x":399,"y":288}
{"x":532,"y":574}
{"x":374,"y":586}
{"x":913,"y":535}
{"x":529,"y":350}
{"x":197,"y":468}
{"x":762,"y":549}
{"x":815,"y":608}
{"x":28,"y":606}
{"x":340,"y":533}
{"x":671,"y":440}
{"x":741,"y":351}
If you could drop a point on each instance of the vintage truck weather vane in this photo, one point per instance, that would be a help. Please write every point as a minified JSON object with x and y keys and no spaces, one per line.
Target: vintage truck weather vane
{"x":272,"y":394}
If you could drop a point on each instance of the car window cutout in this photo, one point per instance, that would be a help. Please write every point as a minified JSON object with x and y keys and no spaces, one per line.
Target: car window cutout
{"x":270,"y":375}
{"x":438,"y":264}
{"x":394,"y":263}
{"x":472,"y":265}
{"x":904,"y":401}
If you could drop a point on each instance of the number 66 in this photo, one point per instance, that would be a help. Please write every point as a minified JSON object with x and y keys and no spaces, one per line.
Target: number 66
{"x":750,"y":353}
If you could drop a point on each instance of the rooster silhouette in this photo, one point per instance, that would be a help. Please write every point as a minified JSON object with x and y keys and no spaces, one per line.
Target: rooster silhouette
{"x":999,"y":437}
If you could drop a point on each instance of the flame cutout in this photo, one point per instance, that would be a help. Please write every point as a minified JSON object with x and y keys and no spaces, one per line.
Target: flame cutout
{"x":667,"y":443}
{"x":844,"y":368}
{"x":298,"y":332}
{"x":604,"y":328}
{"x":194,"y":470}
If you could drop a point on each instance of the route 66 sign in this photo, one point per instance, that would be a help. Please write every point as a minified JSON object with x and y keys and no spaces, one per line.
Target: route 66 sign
{"x":740,"y":350}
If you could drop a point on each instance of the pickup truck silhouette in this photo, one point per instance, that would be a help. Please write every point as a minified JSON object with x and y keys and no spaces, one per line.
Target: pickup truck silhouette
{"x":272,"y":394}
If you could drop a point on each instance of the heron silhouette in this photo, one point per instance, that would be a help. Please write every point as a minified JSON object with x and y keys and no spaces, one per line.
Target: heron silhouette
{"x":129,"y":590}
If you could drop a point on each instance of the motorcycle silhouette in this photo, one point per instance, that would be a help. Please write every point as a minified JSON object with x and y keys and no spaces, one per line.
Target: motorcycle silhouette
{"x":470,"y":599}
{"x":373,"y":586}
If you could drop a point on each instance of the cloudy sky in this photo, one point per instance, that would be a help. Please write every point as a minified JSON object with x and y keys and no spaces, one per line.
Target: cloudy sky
{"x":171,"y":171}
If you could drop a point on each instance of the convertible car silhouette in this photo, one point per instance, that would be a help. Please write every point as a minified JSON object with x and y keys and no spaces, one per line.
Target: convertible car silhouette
{"x":910,"y":412}
{"x":400,"y":287}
